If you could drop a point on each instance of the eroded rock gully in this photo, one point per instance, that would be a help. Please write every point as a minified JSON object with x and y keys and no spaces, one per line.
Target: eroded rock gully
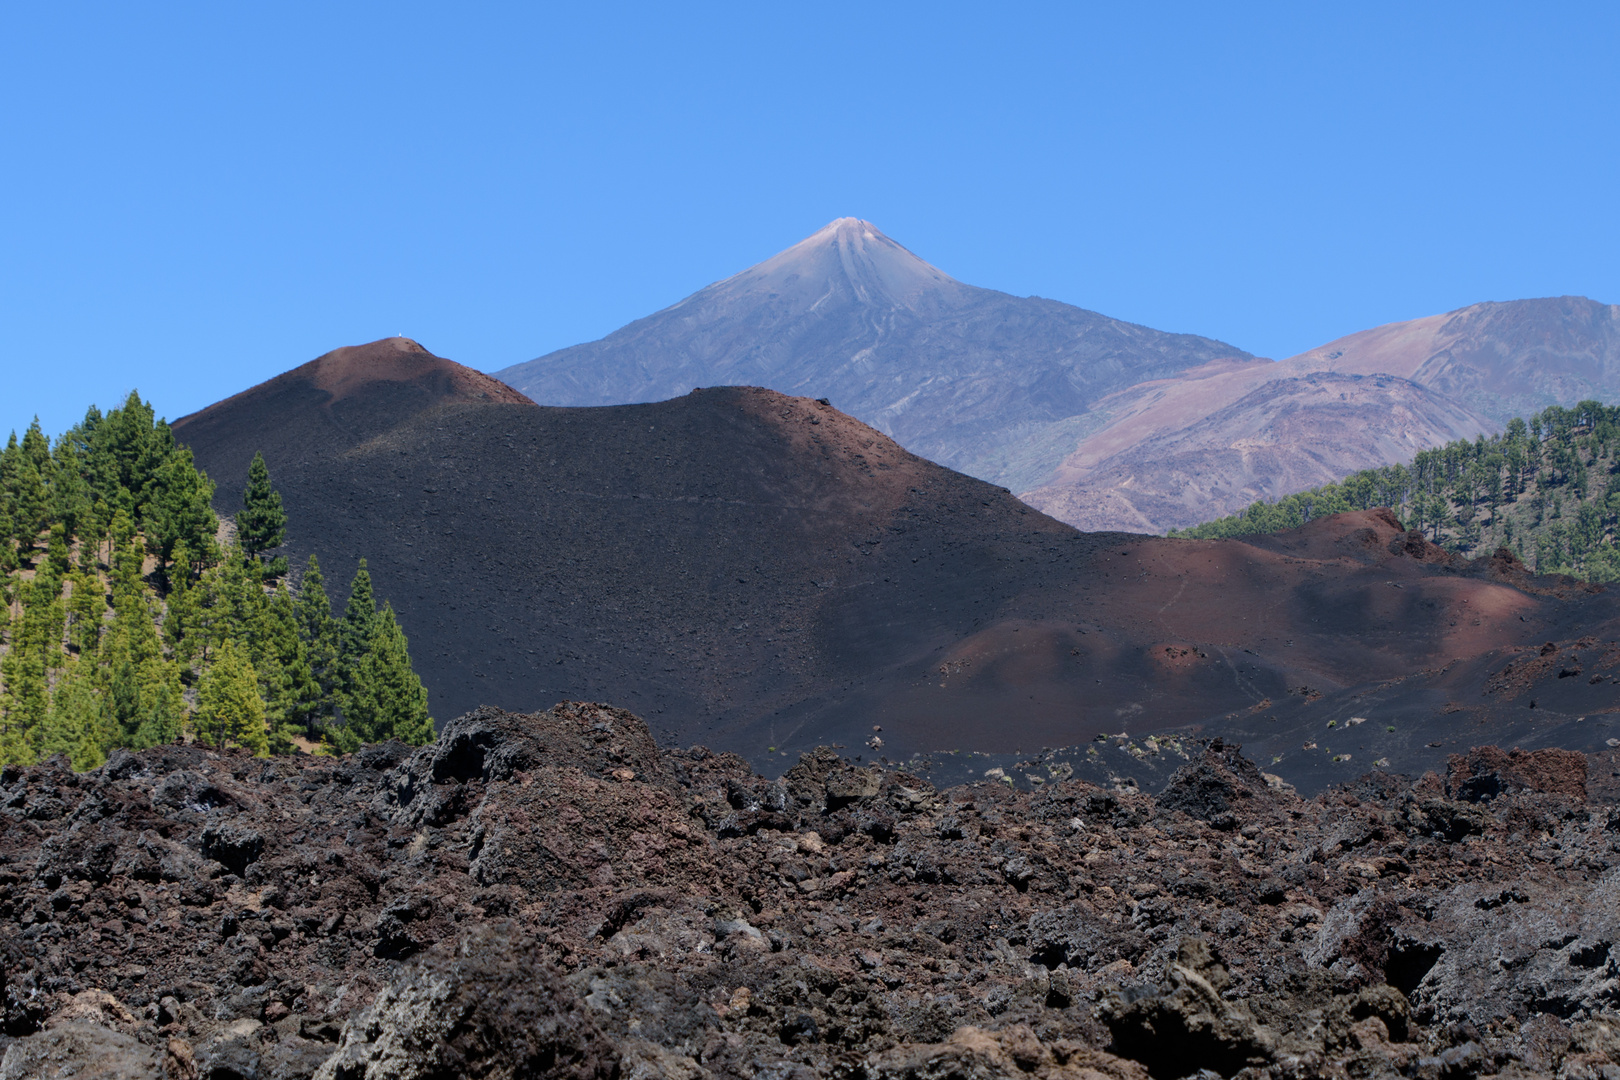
{"x":551,"y":895}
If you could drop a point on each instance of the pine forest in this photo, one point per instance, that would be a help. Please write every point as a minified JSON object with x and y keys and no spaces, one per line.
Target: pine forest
{"x":1547,"y":489}
{"x":130,"y":618}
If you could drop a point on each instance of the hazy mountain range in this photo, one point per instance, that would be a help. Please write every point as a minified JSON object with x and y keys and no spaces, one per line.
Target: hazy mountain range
{"x":1101,"y":423}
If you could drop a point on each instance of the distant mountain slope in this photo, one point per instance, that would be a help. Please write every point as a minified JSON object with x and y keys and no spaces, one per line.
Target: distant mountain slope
{"x":1500,"y":359}
{"x":1281,"y":436}
{"x":1454,"y":376}
{"x":1548,"y":488}
{"x":751,"y":570}
{"x":961,"y":375}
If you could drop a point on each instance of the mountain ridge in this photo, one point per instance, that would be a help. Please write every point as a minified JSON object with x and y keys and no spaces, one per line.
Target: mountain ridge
{"x":1476,"y":366}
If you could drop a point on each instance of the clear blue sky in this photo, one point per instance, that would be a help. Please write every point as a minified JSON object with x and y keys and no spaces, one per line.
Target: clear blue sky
{"x":196,"y":197}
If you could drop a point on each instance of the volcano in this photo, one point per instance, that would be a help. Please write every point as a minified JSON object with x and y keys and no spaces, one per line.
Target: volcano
{"x":961,"y":375}
{"x":763,"y":573}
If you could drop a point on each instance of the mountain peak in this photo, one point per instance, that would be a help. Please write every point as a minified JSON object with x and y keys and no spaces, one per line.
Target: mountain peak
{"x":849,"y":259}
{"x":847,"y":230}
{"x":360,"y":389}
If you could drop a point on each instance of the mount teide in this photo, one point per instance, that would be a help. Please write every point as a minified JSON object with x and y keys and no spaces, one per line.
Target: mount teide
{"x":965,"y":376}
{"x":752,"y":570}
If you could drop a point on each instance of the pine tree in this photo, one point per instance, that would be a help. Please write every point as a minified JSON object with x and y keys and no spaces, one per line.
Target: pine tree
{"x":30,"y":511}
{"x":182,"y":614}
{"x":229,"y":708}
{"x":142,"y":689}
{"x":76,"y":724}
{"x":355,"y":631}
{"x":36,"y":449}
{"x":178,"y":510}
{"x":163,"y":706}
{"x":87,"y":608}
{"x":8,"y":542}
{"x":262,"y":524}
{"x":388,"y":700}
{"x":240,"y":600}
{"x":70,"y":495}
{"x":24,"y":671}
{"x":57,"y":552}
{"x":285,"y":681}
{"x":319,"y":633}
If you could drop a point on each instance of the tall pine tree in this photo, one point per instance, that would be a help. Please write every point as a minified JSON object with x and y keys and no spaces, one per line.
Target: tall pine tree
{"x":77,"y":723}
{"x":229,"y":708}
{"x":262,"y":525}
{"x":320,"y":635}
{"x":388,"y":700}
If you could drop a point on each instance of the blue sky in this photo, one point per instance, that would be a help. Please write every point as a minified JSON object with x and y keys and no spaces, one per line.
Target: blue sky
{"x":196,"y":197}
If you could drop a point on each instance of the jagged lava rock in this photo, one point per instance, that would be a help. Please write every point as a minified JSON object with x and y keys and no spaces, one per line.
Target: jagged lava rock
{"x":550,"y":894}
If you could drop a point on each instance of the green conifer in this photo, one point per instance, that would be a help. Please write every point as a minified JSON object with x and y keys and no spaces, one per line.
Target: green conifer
{"x":76,"y":724}
{"x":178,"y":507}
{"x":229,"y":708}
{"x":8,"y":542}
{"x":319,"y":633}
{"x":355,"y":632}
{"x":296,"y":706}
{"x":57,"y":551}
{"x":87,"y":608}
{"x":24,"y":673}
{"x":388,"y":700}
{"x":163,"y":707}
{"x":36,"y":449}
{"x":180,"y":614}
{"x":262,"y":524}
{"x":30,"y":510}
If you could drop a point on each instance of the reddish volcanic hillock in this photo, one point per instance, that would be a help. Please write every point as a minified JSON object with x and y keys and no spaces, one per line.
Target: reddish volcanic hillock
{"x":549,"y":894}
{"x":338,"y":399}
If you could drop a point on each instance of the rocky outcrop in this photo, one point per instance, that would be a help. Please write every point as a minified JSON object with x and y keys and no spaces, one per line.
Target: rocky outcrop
{"x":487,"y":1007}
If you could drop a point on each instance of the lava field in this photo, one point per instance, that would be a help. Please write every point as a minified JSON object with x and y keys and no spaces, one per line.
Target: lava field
{"x":553,"y":895}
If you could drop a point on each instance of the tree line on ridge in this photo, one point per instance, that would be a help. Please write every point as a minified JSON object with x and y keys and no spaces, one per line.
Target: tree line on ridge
{"x":1546,"y":488}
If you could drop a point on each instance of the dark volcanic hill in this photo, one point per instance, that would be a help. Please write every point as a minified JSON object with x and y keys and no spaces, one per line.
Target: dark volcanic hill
{"x":961,"y":375}
{"x":756,"y":571}
{"x":344,"y":397}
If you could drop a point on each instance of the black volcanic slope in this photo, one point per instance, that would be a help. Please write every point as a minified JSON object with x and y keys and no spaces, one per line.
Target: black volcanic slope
{"x":753,"y":571}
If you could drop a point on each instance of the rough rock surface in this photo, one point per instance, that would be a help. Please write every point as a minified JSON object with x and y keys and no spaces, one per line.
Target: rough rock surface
{"x":551,"y":895}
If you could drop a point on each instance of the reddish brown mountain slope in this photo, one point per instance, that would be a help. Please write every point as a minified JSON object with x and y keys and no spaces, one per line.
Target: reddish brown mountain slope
{"x":1282,"y":436}
{"x":754,"y":571}
{"x":346,"y":395}
{"x":1210,"y":441}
